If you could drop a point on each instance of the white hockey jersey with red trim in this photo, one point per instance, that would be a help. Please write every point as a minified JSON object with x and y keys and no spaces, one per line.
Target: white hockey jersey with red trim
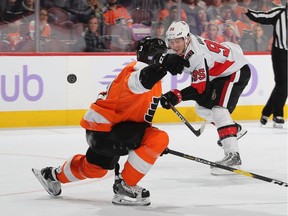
{"x":219,"y":59}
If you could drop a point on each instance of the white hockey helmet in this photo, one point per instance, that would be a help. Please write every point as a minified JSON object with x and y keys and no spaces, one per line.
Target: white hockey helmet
{"x":178,"y":30}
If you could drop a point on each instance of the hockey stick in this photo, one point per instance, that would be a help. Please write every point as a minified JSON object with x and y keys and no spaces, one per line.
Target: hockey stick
{"x":194,"y":131}
{"x":237,"y":171}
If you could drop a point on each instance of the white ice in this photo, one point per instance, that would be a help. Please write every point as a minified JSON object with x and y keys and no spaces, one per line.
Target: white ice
{"x":178,"y":186}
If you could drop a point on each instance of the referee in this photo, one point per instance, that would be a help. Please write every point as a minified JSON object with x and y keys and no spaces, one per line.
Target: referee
{"x":278,"y":18}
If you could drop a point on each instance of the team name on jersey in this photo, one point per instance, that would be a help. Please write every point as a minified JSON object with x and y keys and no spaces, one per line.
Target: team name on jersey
{"x":189,"y":54}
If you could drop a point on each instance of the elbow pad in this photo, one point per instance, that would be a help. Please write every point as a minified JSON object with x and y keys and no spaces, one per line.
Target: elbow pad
{"x":190,"y":93}
{"x":150,"y":75}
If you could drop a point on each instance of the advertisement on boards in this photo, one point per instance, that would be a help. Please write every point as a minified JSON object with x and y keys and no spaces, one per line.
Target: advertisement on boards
{"x":40,"y":82}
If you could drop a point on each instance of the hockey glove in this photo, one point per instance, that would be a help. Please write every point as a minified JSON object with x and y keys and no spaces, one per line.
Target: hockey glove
{"x":172,"y":63}
{"x":172,"y":97}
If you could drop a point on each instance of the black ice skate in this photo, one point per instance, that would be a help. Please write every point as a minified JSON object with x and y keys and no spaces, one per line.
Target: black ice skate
{"x":47,"y":178}
{"x":278,"y":122}
{"x":232,"y":159}
{"x":240,"y":133}
{"x":128,"y":195}
{"x":263,"y":120}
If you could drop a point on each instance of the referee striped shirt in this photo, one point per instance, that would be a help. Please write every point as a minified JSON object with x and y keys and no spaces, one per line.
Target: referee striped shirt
{"x":276,"y":17}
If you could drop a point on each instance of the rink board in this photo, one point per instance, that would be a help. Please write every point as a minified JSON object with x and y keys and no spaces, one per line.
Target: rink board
{"x":35,"y":91}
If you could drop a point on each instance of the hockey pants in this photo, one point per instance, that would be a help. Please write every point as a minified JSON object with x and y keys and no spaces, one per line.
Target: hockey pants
{"x":136,"y":167}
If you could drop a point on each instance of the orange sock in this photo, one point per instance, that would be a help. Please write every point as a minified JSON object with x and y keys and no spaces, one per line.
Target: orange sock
{"x":78,"y":168}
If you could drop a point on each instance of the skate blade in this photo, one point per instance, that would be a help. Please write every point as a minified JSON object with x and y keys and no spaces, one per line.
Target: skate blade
{"x":277,"y":125}
{"x":43,"y":182}
{"x":241,"y":133}
{"x":219,"y":172}
{"x":128,"y":201}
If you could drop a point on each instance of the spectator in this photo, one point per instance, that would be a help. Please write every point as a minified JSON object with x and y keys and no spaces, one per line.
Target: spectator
{"x":201,"y":21}
{"x":45,"y":30}
{"x":244,"y":24}
{"x":213,"y":10}
{"x":265,"y":5}
{"x":117,"y":14}
{"x":76,"y":8}
{"x":159,"y":30}
{"x":13,"y":11}
{"x":246,"y":4}
{"x":229,"y":33}
{"x":231,"y":3}
{"x":92,"y":41}
{"x":191,"y":9}
{"x":212,"y":33}
{"x":164,"y":13}
{"x":226,"y":13}
{"x":226,"y":16}
{"x":28,"y":10}
{"x":202,"y":4}
{"x":13,"y":35}
{"x":172,"y":17}
{"x":93,"y":8}
{"x":256,"y":41}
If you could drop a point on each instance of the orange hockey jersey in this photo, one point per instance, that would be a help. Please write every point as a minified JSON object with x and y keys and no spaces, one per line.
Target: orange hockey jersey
{"x":126,"y":100}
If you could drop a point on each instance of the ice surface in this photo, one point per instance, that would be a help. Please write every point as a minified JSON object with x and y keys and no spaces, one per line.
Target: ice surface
{"x":178,"y":186}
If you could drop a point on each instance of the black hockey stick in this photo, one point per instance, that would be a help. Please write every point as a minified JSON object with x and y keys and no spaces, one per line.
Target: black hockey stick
{"x":237,"y":171}
{"x":194,"y":131}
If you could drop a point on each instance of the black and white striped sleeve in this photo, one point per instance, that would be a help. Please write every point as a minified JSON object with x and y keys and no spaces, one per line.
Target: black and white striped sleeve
{"x":276,"y":17}
{"x":265,"y":17}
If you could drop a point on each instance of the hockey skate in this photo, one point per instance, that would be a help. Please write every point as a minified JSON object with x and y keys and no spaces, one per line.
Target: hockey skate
{"x":240,"y":133}
{"x":263,"y":120}
{"x":129,"y":195}
{"x":278,"y":122}
{"x":232,"y":159}
{"x":47,"y":178}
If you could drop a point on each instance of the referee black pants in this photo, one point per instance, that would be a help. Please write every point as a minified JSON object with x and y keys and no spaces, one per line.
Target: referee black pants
{"x":276,"y":102}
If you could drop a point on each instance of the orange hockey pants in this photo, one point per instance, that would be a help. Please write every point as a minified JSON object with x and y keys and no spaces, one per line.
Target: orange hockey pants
{"x":136,"y":167}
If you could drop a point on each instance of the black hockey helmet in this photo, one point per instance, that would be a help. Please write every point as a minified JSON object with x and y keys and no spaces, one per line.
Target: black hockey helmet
{"x":148,"y":47}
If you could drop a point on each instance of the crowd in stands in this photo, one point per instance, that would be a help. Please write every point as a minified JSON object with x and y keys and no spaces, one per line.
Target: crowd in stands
{"x":116,"y":25}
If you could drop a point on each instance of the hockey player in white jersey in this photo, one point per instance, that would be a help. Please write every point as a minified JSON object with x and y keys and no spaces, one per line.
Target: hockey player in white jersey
{"x":219,"y":74}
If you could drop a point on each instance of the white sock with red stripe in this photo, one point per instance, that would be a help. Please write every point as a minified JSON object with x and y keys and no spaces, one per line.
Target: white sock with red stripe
{"x":227,"y":129}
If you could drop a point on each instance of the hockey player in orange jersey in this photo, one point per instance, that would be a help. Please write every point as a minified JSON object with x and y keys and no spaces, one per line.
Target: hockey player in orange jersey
{"x":120,"y":123}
